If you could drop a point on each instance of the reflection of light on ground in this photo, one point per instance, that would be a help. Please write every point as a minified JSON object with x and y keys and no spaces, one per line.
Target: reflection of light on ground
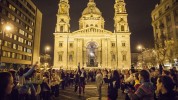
{"x":96,"y":98}
{"x":92,"y":54}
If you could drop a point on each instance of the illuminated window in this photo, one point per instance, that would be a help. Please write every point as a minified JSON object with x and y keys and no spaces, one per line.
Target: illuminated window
{"x":21,"y":32}
{"x":9,"y":54}
{"x":15,"y":37}
{"x":26,"y":34}
{"x":20,"y":48}
{"x":9,"y":44}
{"x":14,"y":46}
{"x":4,"y":54}
{"x":5,"y":43}
{"x":13,"y":55}
{"x":29,"y":43}
{"x":24,"y":49}
{"x":30,"y":29}
{"x":19,"y":56}
{"x":29,"y":50}
{"x":25,"y":41}
{"x":8,"y":35}
{"x":30,"y":36}
{"x":20,"y":39}
{"x":11,"y":7}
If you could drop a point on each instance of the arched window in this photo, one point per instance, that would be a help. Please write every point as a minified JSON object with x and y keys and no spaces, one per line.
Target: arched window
{"x":122,"y":28}
{"x":61,"y":28}
{"x":96,"y":25}
{"x":86,"y":25}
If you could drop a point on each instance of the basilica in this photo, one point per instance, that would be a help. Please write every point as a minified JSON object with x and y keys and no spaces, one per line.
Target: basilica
{"x":92,"y":46}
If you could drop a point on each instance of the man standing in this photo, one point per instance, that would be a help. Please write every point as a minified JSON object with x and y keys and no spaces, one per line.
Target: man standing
{"x":83,"y":76}
{"x":80,"y":80}
{"x":99,"y":82}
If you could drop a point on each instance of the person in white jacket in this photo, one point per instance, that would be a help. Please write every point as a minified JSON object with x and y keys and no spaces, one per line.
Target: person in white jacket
{"x":99,"y":82}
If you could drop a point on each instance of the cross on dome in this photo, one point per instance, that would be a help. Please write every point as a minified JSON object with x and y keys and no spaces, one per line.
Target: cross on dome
{"x":65,"y":1}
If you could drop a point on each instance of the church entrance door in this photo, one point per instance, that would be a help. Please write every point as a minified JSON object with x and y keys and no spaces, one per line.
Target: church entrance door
{"x":92,"y":55}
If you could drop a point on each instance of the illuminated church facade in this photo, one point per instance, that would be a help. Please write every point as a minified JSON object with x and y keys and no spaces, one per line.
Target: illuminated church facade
{"x":92,"y":46}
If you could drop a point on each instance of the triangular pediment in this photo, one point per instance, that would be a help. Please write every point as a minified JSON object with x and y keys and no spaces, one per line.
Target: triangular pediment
{"x":92,"y":29}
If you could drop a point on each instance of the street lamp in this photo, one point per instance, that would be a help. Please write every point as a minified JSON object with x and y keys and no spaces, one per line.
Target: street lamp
{"x":5,"y":29}
{"x":140,"y":48}
{"x":47,"y":48}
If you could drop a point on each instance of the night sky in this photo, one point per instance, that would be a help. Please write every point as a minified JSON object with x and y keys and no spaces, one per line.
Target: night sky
{"x":139,"y":18}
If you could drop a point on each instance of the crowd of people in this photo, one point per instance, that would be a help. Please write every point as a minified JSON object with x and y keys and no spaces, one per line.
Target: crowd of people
{"x":31,"y":83}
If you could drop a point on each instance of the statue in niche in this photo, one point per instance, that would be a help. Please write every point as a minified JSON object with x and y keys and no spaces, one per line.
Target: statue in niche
{"x":120,"y":8}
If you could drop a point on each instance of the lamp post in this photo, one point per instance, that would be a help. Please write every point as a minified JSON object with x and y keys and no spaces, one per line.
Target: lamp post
{"x":47,"y":48}
{"x":6,"y":27}
{"x":140,"y":48}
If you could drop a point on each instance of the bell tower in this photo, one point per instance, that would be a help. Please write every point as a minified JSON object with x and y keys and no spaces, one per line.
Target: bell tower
{"x":120,"y":18}
{"x":63,"y":18}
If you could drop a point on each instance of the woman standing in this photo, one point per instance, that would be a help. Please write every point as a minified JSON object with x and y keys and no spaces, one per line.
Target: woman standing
{"x":113,"y":85}
{"x":6,"y":85}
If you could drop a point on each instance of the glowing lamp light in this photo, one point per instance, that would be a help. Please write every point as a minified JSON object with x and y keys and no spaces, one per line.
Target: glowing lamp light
{"x":92,"y":54}
{"x":139,"y":47}
{"x":8,"y":28}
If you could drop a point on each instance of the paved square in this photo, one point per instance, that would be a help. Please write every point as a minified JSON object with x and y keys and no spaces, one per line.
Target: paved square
{"x":90,"y":93}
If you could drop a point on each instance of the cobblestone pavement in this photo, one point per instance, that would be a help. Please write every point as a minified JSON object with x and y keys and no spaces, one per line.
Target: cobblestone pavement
{"x":90,"y":93}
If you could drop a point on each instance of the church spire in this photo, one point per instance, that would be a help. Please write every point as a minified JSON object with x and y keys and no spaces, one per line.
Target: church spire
{"x":120,"y":18}
{"x":91,"y":3}
{"x":120,"y":6}
{"x":119,"y":1}
{"x":63,"y":18}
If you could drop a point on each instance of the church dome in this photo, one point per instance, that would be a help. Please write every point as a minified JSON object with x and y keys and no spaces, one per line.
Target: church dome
{"x":91,"y":9}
